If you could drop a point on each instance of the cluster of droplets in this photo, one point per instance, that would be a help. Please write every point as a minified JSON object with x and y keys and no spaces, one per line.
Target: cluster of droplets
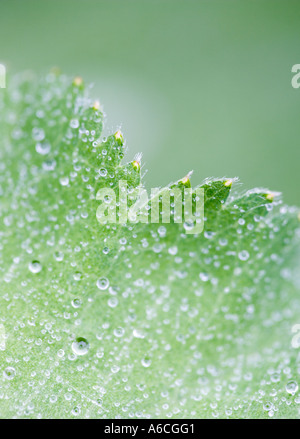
{"x":149,"y":312}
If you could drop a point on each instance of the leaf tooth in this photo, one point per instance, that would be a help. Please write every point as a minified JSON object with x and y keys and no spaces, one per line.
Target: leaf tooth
{"x":216,"y":192}
{"x":271,"y":196}
{"x":228,"y":183}
{"x":187,"y":179}
{"x":136,"y":165}
{"x":137,"y":161}
{"x":119,"y":136}
{"x":130,"y":172}
{"x":97,"y":106}
{"x":254,"y":202}
{"x":183,"y":183}
{"x":114,"y":146}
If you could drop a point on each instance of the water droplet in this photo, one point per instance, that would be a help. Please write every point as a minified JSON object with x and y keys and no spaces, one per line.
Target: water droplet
{"x":102,"y":283}
{"x":38,"y":134}
{"x":138,"y":333}
{"x":74,"y":123}
{"x":76,"y":303}
{"x":43,"y":148}
{"x":267,"y":406}
{"x":76,"y":411}
{"x":64,"y":181}
{"x":162,"y":231}
{"x":35,"y":267}
{"x":297,"y":400}
{"x":204,"y":277}
{"x":119,"y":332}
{"x":173,"y":250}
{"x":243,"y":255}
{"x":188,"y":225}
{"x":9,"y":373}
{"x":77,"y":276}
{"x":275,"y":378}
{"x":107,"y":199}
{"x":112,"y":302}
{"x":146,"y":362}
{"x":59,"y":256}
{"x":49,"y":165}
{"x":291,"y":387}
{"x":103,"y":172}
{"x":80,"y":346}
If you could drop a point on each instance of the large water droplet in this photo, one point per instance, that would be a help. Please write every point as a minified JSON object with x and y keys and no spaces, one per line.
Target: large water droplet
{"x":80,"y":346}
{"x":243,"y":255}
{"x":38,"y":134}
{"x":76,"y":303}
{"x":119,"y":332}
{"x":35,"y":267}
{"x":291,"y":387}
{"x":102,"y":283}
{"x":64,"y":181}
{"x":204,"y":277}
{"x":43,"y":148}
{"x":146,"y":361}
{"x":74,"y":123}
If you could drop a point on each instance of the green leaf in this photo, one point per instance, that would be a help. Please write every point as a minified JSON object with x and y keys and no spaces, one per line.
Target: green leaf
{"x":134,"y":320}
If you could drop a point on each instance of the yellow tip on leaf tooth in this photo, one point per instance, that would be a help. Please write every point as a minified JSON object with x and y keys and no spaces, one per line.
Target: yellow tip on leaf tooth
{"x":78,"y":81}
{"x":186,"y":179}
{"x":96,"y":105}
{"x":118,"y":135}
{"x":228,"y":183}
{"x":136,"y":164}
{"x":270,"y":196}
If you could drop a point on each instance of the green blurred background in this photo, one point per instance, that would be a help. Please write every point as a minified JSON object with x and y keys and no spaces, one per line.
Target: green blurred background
{"x":202,"y":85}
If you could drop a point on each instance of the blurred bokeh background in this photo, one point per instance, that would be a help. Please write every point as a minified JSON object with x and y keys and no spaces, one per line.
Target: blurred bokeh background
{"x":194,"y":84}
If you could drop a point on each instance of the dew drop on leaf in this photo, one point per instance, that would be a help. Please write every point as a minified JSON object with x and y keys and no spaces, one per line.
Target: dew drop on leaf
{"x":76,"y":411}
{"x":119,"y":332}
{"x":112,"y":302}
{"x":35,"y":267}
{"x":102,"y":283}
{"x":43,"y":148}
{"x":243,"y":255}
{"x":146,"y":362}
{"x":291,"y":387}
{"x":103,"y":172}
{"x":64,"y":181}
{"x":9,"y":373}
{"x":38,"y":134}
{"x":76,"y":303}
{"x":204,"y":276}
{"x":74,"y":123}
{"x":80,"y":346}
